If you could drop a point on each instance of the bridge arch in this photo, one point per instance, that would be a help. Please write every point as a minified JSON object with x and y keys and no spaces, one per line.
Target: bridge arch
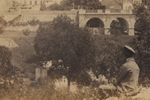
{"x":124,"y":25}
{"x":96,"y":25}
{"x":121,"y":24}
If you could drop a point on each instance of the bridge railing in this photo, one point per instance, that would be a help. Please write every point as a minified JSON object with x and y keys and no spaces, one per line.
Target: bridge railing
{"x":91,"y":11}
{"x":106,"y":11}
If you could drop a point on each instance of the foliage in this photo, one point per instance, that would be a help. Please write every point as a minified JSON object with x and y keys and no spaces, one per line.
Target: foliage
{"x":26,"y":32}
{"x":1,"y":30}
{"x":47,"y":91}
{"x":55,"y":6}
{"x":142,"y":47}
{"x":5,"y":61}
{"x":141,"y":42}
{"x":94,"y":4}
{"x":43,"y":7}
{"x":2,"y":24}
{"x":62,"y":40}
{"x":142,"y":25}
{"x":22,"y":53}
{"x":109,"y":56}
{"x":86,"y":4}
{"x":66,"y":4}
{"x":34,"y":22}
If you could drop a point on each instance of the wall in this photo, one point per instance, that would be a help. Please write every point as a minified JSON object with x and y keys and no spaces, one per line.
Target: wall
{"x":42,"y":16}
{"x":45,"y":15}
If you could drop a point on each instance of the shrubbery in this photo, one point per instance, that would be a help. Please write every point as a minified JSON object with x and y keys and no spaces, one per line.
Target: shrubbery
{"x":26,"y":32}
{"x":5,"y":61}
{"x":142,"y":42}
{"x":2,"y":24}
{"x":142,"y":46}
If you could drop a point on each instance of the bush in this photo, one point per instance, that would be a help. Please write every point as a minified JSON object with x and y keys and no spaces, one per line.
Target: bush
{"x":109,"y":56}
{"x":5,"y":61}
{"x":142,"y":46}
{"x":1,"y":30}
{"x":26,"y":32}
{"x":43,"y":7}
{"x":55,"y":6}
{"x":2,"y":24}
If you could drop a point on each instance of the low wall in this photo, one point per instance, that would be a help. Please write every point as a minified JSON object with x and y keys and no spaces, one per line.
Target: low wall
{"x":22,"y":28}
{"x":45,"y":15}
{"x":42,"y":16}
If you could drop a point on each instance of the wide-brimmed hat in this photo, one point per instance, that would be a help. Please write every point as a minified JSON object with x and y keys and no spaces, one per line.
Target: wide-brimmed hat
{"x":129,"y":48}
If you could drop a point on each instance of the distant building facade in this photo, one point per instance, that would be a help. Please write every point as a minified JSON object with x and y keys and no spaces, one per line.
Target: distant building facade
{"x":118,"y":5}
{"x":37,"y":2}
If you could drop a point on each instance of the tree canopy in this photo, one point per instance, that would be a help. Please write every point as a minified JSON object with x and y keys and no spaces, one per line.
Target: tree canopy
{"x":61,"y":40}
{"x":142,"y":42}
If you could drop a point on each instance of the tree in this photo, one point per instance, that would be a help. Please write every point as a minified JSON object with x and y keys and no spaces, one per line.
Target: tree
{"x":109,"y":56}
{"x":5,"y":61}
{"x":54,"y":6}
{"x":2,"y":24}
{"x":89,"y":4}
{"x":61,"y":40}
{"x":142,"y":42}
{"x":43,"y":7}
{"x":142,"y":18}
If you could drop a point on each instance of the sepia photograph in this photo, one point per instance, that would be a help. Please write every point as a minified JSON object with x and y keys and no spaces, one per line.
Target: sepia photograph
{"x":74,"y":49}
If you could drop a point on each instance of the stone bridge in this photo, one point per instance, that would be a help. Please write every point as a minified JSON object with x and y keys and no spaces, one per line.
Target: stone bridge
{"x":97,"y":21}
{"x":103,"y":21}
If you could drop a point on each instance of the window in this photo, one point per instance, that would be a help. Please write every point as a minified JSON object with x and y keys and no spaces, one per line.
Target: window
{"x":41,"y":2}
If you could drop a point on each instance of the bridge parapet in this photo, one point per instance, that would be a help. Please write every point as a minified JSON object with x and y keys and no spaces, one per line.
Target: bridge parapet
{"x":107,"y":11}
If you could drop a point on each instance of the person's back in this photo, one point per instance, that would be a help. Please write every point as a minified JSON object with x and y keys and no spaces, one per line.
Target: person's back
{"x":126,"y":82}
{"x":128,"y":76}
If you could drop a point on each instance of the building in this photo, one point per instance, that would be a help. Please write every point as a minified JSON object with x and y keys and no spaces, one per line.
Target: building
{"x":38,"y":2}
{"x":118,"y":5}
{"x":35,"y":5}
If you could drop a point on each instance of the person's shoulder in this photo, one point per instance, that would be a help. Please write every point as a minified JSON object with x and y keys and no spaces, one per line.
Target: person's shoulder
{"x":132,"y":65}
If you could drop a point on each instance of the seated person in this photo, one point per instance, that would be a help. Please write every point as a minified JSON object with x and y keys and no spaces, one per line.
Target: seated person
{"x":126,"y":81}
